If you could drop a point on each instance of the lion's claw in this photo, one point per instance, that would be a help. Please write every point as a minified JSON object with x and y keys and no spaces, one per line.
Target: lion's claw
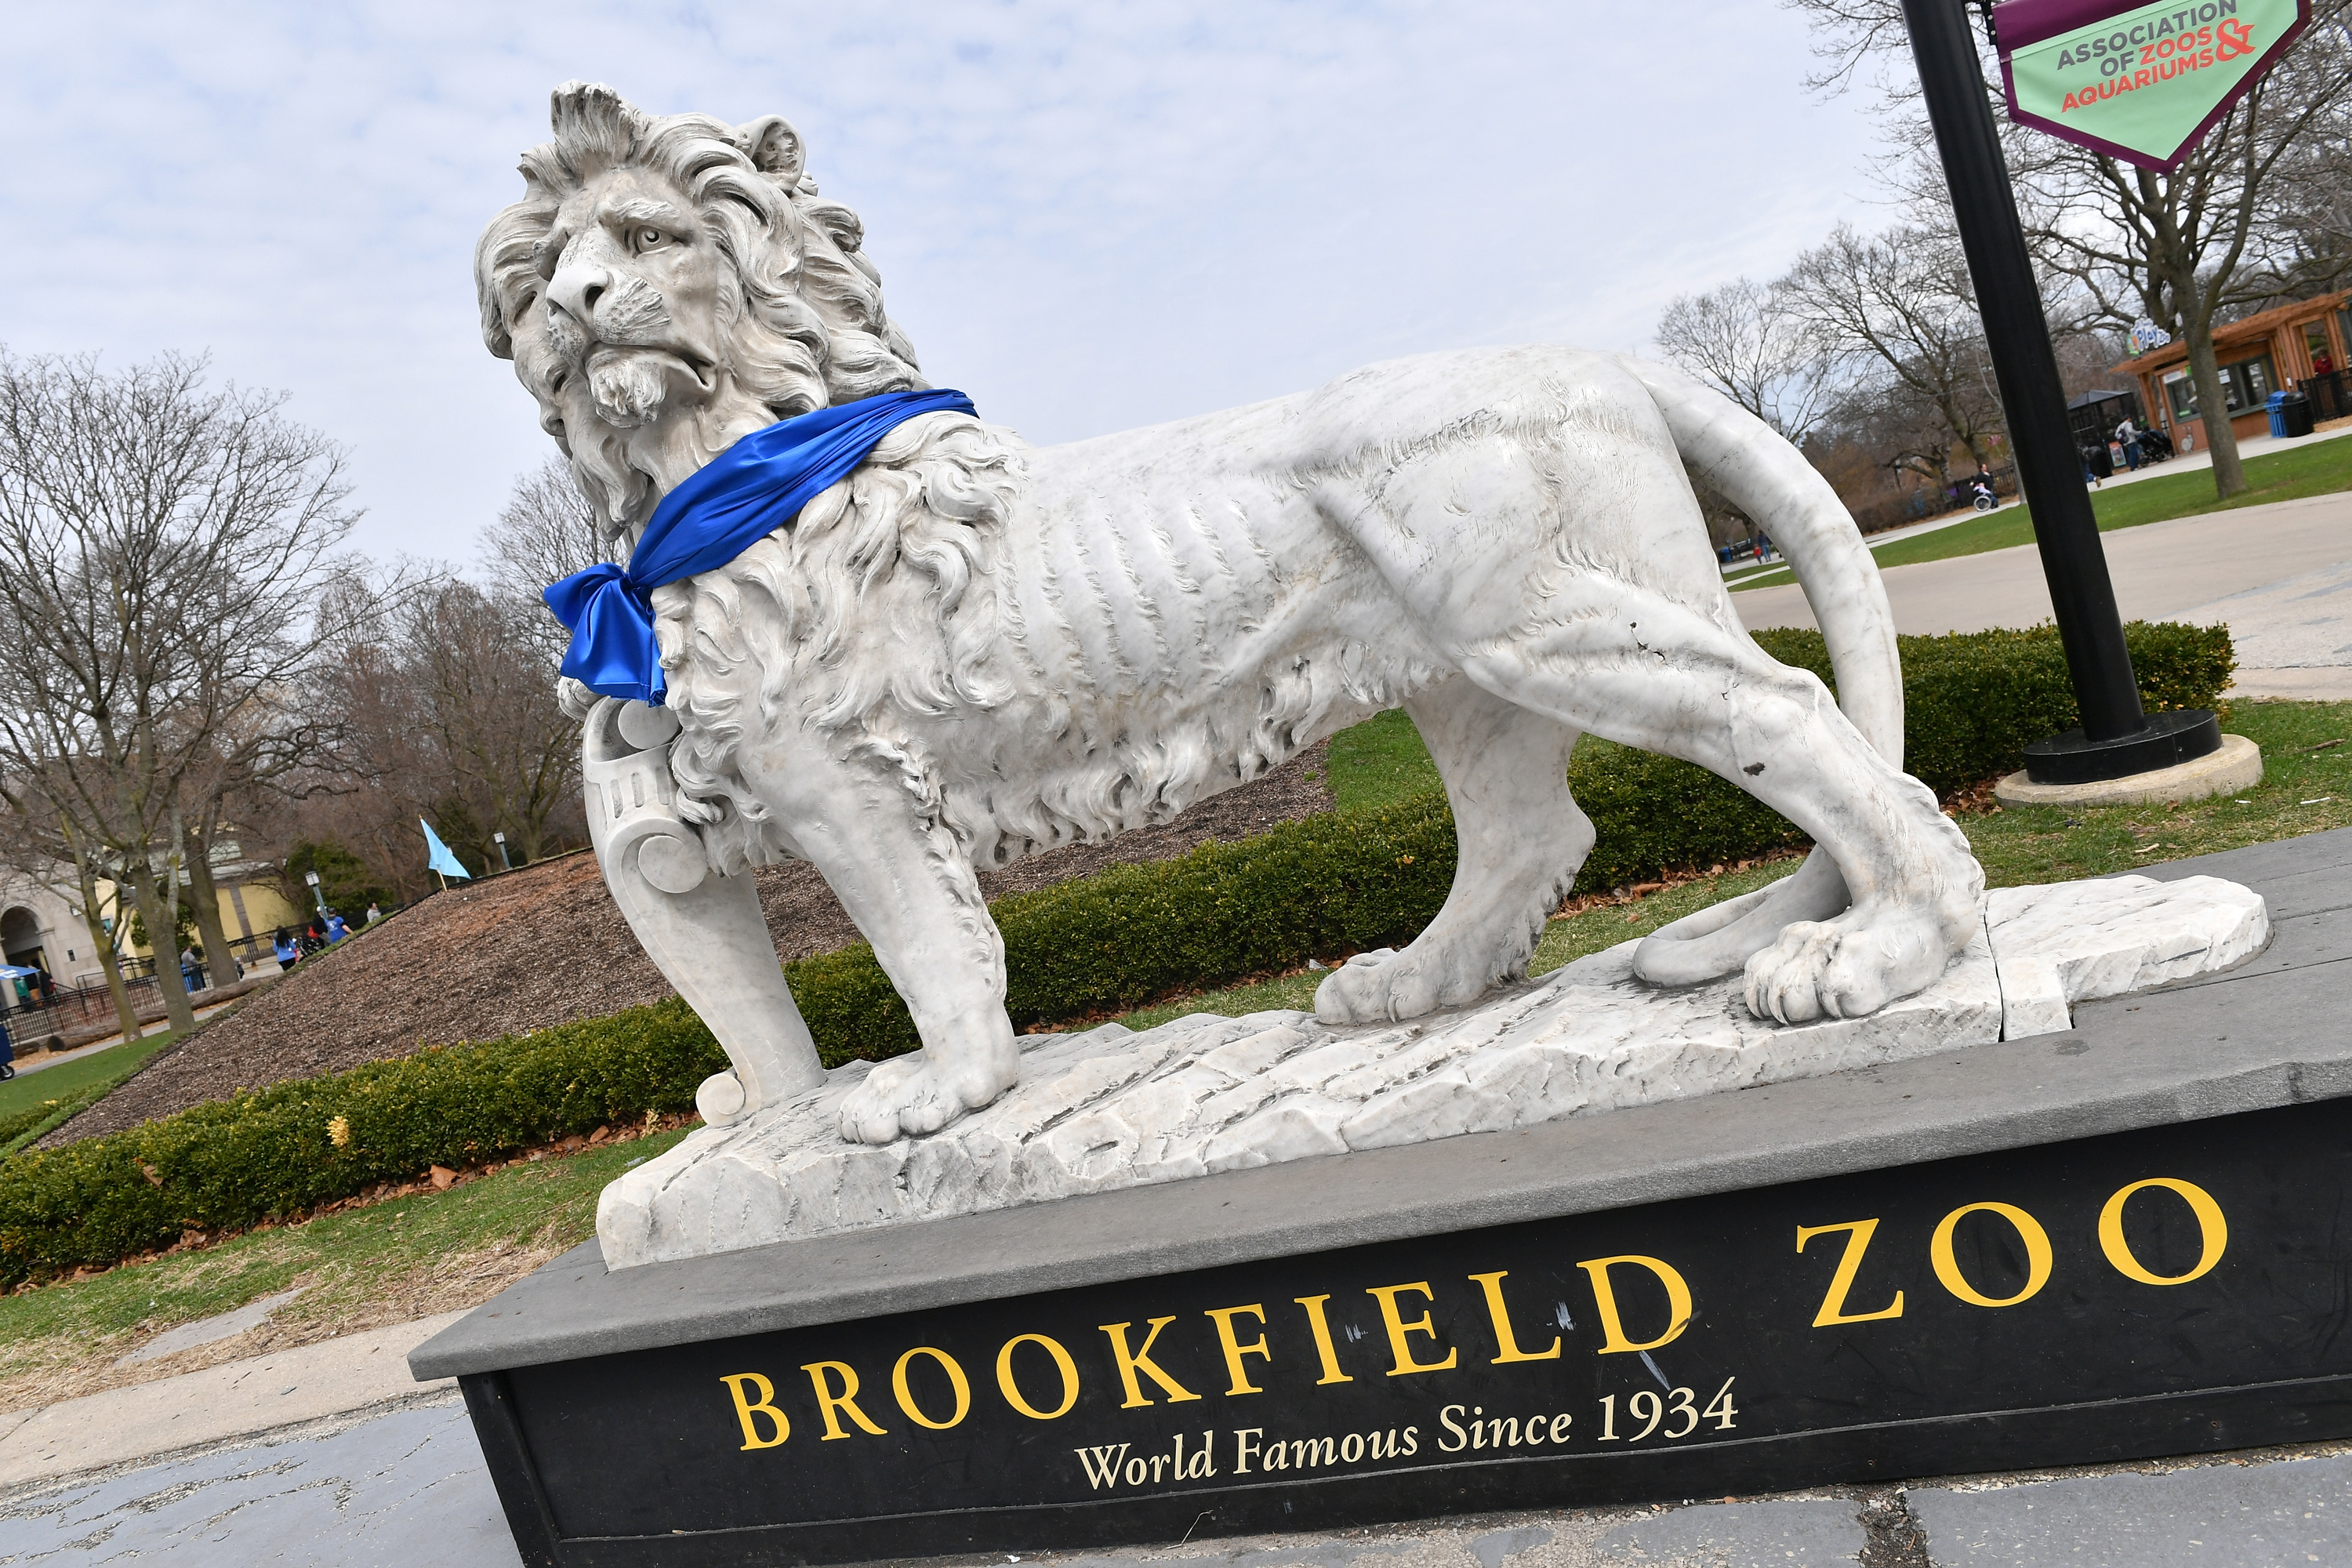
{"x":1845,"y":968}
{"x":910,"y":1096}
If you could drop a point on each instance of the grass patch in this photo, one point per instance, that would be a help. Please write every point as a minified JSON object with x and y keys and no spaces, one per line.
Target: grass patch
{"x":33,"y":1103}
{"x":382,"y":1263}
{"x":2051,"y":844}
{"x":1380,"y":761}
{"x":2324,"y":468}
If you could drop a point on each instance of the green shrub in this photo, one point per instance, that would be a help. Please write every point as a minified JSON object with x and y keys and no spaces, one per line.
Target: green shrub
{"x":1330,"y":885}
{"x":1972,"y":700}
{"x":270,"y":1153}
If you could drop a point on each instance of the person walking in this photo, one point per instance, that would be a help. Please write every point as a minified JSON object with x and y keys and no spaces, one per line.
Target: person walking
{"x":283,"y":947}
{"x":2127,"y":434}
{"x":373,"y":913}
{"x":7,"y":1052}
{"x":336,"y":929}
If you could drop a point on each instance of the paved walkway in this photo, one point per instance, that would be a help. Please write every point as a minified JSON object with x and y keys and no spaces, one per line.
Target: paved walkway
{"x":220,"y":1403}
{"x":404,"y":1486}
{"x":2272,"y":573}
{"x":2196,"y":462}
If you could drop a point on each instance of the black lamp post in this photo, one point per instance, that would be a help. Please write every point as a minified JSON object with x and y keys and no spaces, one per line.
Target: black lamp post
{"x":2117,"y":738}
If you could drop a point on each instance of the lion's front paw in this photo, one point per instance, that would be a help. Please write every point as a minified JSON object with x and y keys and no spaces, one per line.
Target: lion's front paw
{"x":910,"y":1096}
{"x":1377,"y":988}
{"x":1845,"y":968}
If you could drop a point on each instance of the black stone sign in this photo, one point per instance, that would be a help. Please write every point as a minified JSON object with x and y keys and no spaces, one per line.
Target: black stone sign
{"x":2171,"y":1290}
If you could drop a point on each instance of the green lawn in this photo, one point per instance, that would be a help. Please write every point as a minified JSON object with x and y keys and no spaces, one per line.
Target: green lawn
{"x":385,"y":1263}
{"x":1380,"y":761}
{"x":2321,"y":469}
{"x":32,"y":1103}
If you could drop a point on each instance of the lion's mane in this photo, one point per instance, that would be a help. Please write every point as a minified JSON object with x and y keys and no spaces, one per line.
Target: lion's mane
{"x":800,"y":303}
{"x":877,"y":611}
{"x":876,"y":608}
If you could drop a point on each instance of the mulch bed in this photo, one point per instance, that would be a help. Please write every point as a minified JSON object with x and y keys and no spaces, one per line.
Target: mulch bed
{"x":547,"y":945}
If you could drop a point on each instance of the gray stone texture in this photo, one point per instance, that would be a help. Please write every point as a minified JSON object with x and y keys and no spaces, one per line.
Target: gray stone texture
{"x":2295,"y":1511}
{"x":1110,"y":1108}
{"x":396,"y":1491}
{"x":1802,"y":1533}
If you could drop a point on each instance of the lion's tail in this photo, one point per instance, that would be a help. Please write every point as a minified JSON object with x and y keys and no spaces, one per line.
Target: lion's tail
{"x":1768,"y":478}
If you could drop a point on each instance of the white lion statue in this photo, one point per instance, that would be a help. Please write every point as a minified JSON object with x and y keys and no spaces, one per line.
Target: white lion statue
{"x":972,"y":649}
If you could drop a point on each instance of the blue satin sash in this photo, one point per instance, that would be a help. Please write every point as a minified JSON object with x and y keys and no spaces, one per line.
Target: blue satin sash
{"x":730,"y":503}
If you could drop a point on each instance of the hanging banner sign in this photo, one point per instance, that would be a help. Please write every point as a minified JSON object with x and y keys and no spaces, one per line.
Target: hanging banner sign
{"x":2141,"y":83}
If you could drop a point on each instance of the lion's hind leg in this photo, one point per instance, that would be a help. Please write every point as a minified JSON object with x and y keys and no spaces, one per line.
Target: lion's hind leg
{"x":1522,"y":839}
{"x":1638,"y":669}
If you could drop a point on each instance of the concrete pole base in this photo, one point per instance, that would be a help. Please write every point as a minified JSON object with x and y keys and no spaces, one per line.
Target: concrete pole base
{"x":2236,"y":765}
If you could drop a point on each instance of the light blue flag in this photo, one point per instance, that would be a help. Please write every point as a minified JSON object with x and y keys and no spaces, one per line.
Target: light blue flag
{"x":438,"y":855}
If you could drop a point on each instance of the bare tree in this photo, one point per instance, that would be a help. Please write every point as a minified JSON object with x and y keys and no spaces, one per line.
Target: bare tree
{"x":1748,"y":341}
{"x":450,"y":712}
{"x":2182,"y":248}
{"x":545,"y":532}
{"x":1898,"y":308}
{"x":484,"y":694}
{"x":163,"y":547}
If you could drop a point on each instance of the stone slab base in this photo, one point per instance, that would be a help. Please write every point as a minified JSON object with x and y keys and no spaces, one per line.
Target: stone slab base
{"x":2008,"y":1266}
{"x":1111,"y":1109}
{"x":2236,"y":765}
{"x":2174,"y":1289}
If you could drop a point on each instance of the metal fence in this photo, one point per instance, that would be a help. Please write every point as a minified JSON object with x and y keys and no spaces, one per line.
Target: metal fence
{"x":68,"y":1008}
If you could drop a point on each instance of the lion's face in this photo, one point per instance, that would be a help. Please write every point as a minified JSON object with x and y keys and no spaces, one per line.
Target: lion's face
{"x":670,"y":284}
{"x":634,"y":316}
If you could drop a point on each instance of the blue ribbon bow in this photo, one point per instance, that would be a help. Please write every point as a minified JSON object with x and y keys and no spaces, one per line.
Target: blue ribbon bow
{"x":739,"y":498}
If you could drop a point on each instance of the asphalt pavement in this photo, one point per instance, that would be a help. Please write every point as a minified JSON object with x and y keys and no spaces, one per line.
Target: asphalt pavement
{"x":2280,"y":577}
{"x":325,"y":1456}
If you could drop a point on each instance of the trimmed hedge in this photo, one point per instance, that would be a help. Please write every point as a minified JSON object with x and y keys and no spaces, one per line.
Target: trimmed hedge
{"x":1972,"y":700}
{"x":269,"y":1153}
{"x":1332,"y":884}
{"x":1335,"y":883}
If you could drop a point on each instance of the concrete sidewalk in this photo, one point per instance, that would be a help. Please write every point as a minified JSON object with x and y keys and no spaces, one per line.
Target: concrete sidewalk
{"x":2241,"y":568}
{"x":220,"y":1403}
{"x":392,"y":1488}
{"x":108,"y":1044}
{"x":330,"y":1456}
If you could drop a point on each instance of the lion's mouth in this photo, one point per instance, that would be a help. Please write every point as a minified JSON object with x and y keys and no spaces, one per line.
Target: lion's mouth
{"x":632,"y":385}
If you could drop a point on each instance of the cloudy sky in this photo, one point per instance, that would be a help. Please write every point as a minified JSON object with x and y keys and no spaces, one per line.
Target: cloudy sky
{"x":1088,"y":217}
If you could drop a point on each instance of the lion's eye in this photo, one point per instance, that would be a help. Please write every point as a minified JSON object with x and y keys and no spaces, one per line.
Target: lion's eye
{"x":648,"y":238}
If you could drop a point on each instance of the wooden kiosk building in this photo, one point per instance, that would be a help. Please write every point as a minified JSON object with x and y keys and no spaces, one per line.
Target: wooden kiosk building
{"x":2306,"y":346}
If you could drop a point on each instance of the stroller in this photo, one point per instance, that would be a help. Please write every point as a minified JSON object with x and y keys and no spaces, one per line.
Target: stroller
{"x":2154,"y":446}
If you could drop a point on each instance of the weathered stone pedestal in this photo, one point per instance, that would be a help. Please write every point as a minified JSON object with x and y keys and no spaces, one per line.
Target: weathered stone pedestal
{"x":2113,"y":1240}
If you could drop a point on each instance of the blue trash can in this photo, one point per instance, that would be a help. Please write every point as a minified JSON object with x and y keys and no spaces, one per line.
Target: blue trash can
{"x":2277,"y":413}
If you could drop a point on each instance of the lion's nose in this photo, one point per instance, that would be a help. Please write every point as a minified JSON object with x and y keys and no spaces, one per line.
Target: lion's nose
{"x":575,"y":289}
